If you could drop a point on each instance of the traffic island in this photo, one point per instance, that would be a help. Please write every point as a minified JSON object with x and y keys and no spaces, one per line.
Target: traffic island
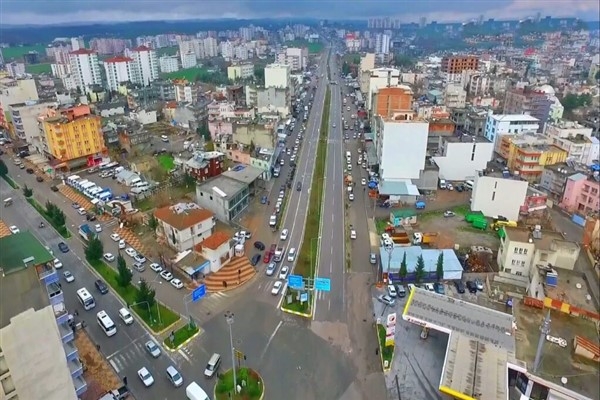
{"x":386,"y":353}
{"x":251,"y":384}
{"x":182,"y":336}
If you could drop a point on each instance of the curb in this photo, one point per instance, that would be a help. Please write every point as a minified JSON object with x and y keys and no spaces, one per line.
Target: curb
{"x":381,"y":352}
{"x":285,"y":310}
{"x":262,"y":396}
{"x":185,"y":343}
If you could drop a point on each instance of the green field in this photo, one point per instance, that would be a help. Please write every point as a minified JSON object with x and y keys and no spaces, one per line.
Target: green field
{"x":313,"y":48}
{"x":170,"y":51}
{"x":16,"y":53}
{"x":189,"y":74}
{"x":166,"y":162}
{"x":38,"y":69}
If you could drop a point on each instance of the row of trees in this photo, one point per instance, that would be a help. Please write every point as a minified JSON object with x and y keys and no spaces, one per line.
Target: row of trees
{"x":54,"y":213}
{"x":420,"y":272}
{"x":3,"y":169}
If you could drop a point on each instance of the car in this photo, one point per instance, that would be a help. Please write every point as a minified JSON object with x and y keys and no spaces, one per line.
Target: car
{"x":54,"y":188}
{"x":62,"y":246}
{"x":259,"y":245}
{"x":351,"y":196}
{"x":267,"y":257}
{"x":68,"y":276}
{"x":152,"y":348}
{"x":276,"y":288}
{"x":472,"y":287}
{"x":39,"y":179}
{"x":75,"y":206}
{"x":363,"y":181}
{"x":284,"y":234}
{"x":90,"y":217}
{"x":299,"y":186}
{"x":439,"y":288}
{"x":391,"y":289}
{"x":429,"y":287}
{"x":145,"y":376}
{"x":174,"y":376}
{"x":115,"y":237}
{"x":101,"y":286}
{"x":263,"y":199}
{"x":448,"y":214}
{"x":122,"y":244}
{"x":255,"y":259}
{"x":479,"y":284}
{"x":460,"y":287}
{"x":14,"y":230}
{"x":81,"y":211}
{"x":373,"y":258}
{"x":139,"y":258}
{"x":349,"y":167}
{"x":352,"y":233}
{"x":139,"y":267}
{"x":21,"y":166}
{"x":130,"y":251}
{"x":270,"y":270}
{"x":176,"y":283}
{"x":109,"y":257}
{"x":333,"y":125}
{"x":291,"y":254}
{"x":98,"y":228}
{"x":156,"y":267}
{"x":166,"y":275}
{"x":387,"y":300}
{"x":283,"y":273}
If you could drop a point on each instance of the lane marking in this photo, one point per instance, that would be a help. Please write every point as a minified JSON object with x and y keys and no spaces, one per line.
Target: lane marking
{"x":185,"y":356}
{"x":114,"y":365}
{"x":264,"y":352}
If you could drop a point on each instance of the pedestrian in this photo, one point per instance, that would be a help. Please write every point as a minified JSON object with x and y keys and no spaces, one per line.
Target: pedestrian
{"x":76,"y":313}
{"x":125,"y":380}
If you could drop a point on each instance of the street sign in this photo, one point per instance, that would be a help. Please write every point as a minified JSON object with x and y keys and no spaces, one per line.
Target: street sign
{"x":303,"y":297}
{"x":323,"y":284}
{"x":199,"y":293}
{"x":295,"y":282}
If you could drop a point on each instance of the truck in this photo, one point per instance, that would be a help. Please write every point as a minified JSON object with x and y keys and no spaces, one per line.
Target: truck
{"x":428,"y":238}
{"x":473,"y":215}
{"x":86,"y":232}
{"x":116,"y":394}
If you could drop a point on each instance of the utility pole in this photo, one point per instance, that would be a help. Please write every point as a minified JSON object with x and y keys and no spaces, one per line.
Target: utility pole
{"x":230,"y":320}
{"x":544,"y":330}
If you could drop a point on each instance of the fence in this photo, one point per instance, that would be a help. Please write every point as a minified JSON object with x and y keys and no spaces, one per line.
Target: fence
{"x":561,"y":306}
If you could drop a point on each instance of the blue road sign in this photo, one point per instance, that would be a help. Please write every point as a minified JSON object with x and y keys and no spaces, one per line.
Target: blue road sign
{"x":304,"y":297}
{"x":199,"y":293}
{"x":295,"y":281}
{"x":323,"y":284}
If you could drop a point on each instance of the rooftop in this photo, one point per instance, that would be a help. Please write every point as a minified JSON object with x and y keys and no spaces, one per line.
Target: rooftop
{"x":514,"y":118}
{"x":118,"y":59}
{"x":183,"y":215}
{"x":466,"y":139}
{"x":20,"y":251}
{"x":37,"y":372}
{"x":215,"y":240}
{"x":545,"y":240}
{"x":18,"y":292}
{"x":82,"y":52}
{"x":222,"y":186}
{"x":244,"y":173}
{"x":142,"y":48}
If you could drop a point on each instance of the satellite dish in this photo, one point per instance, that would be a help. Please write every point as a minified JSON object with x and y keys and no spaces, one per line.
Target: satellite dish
{"x":578,"y":285}
{"x":564,"y":380}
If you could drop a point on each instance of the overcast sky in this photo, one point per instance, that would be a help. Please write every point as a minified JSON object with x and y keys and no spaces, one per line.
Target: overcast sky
{"x":70,"y":11}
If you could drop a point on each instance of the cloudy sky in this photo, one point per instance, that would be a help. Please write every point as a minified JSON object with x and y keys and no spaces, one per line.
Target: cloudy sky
{"x":69,"y":11}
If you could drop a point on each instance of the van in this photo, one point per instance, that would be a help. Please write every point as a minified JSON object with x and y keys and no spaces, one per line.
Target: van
{"x":273,"y":220}
{"x":213,"y":365}
{"x":401,"y":290}
{"x":469,"y":185}
{"x":140,"y":184}
{"x":138,"y":190}
{"x":134,"y":181}
{"x":442,"y":184}
{"x":193,"y":391}
{"x":126,"y":316}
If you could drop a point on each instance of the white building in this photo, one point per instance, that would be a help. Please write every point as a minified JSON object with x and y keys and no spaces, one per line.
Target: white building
{"x":495,"y":196}
{"x":240,"y":52}
{"x":508,"y":124}
{"x":77,"y":43}
{"x":15,"y":69}
{"x":188,"y":60}
{"x":85,"y":69}
{"x":195,"y":46}
{"x":26,"y":125}
{"x":168,"y":64}
{"x":184,"y":225}
{"x":227,"y":50}
{"x":146,"y":65}
{"x":211,"y":47}
{"x":240,"y":71}
{"x":382,"y":43}
{"x":278,"y":76}
{"x":455,"y":96}
{"x":575,"y":139}
{"x":60,"y":70}
{"x":186,"y":92}
{"x":295,"y":57}
{"x":380,"y":78}
{"x":461,"y":157}
{"x":367,"y":63}
{"x":118,"y":69}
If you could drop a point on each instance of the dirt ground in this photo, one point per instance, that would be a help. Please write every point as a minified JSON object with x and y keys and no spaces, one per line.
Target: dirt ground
{"x":98,"y":374}
{"x":455,"y":230}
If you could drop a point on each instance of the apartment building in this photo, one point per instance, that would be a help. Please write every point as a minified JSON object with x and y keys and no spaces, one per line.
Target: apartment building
{"x":499,"y":125}
{"x":118,"y":70}
{"x":85,"y":69}
{"x":455,"y":96}
{"x":389,"y":100}
{"x":528,"y":154}
{"x":145,"y":65}
{"x":381,"y":78}
{"x":13,"y":91}
{"x":32,"y":302}
{"x":73,"y":135}
{"x":184,"y":225}
{"x":462,"y":156}
{"x":353,"y":44}
{"x":240,"y":71}
{"x":582,"y":193}
{"x":497,"y":195}
{"x":453,"y":66}
{"x":15,"y":69}
{"x":188,"y":60}
{"x":278,"y":76}
{"x":24,"y":117}
{"x":108,"y":46}
{"x":168,"y":64}
{"x":554,"y":179}
{"x":575,"y":139}
{"x":367,"y":63}
{"x":61,"y":70}
{"x":185,"y":92}
{"x":538,"y":101}
{"x":295,"y":57}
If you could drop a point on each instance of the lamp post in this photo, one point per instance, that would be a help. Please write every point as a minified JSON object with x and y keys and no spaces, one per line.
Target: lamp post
{"x":390,"y":250}
{"x":230,"y":320}
{"x":311,"y":253}
{"x":149,"y":313}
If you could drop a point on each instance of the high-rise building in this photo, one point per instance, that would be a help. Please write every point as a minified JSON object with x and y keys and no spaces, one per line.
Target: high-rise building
{"x":146,"y":65}
{"x":168,"y":64}
{"x":295,"y":57}
{"x":211,"y":47}
{"x":118,"y":69}
{"x":227,"y":50}
{"x":188,"y":60}
{"x":14,"y":91}
{"x":15,"y":69}
{"x":382,"y":43}
{"x":453,"y":66}
{"x":278,"y":76}
{"x":85,"y":69}
{"x":77,"y":43}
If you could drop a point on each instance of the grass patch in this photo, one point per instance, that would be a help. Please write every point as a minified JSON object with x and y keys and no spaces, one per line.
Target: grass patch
{"x":313,"y":48}
{"x":167,"y":51}
{"x":189,"y":74}
{"x":296,"y":305}
{"x":10,"y":181}
{"x":381,"y":224}
{"x":61,"y":229}
{"x":387,"y":352}
{"x":145,"y":204}
{"x":252,"y":390}
{"x":458,"y":210}
{"x":166,"y":162}
{"x":129,"y":294}
{"x":38,"y":68}
{"x":181,"y":335}
{"x":17,"y":52}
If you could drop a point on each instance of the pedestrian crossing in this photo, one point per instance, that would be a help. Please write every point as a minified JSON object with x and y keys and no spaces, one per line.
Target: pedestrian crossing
{"x":266,"y":286}
{"x":129,"y":356}
{"x":207,"y":307}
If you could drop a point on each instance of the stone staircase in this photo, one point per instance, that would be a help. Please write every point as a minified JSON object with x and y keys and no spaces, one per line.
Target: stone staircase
{"x":237,"y":272}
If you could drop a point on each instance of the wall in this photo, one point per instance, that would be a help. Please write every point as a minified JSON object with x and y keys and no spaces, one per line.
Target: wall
{"x":498,"y":196}
{"x":217,"y":128}
{"x":461,"y":161}
{"x":515,"y":257}
{"x":406,"y":141}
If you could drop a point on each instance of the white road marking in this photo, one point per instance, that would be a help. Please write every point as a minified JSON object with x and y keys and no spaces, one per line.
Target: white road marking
{"x":114,"y":365}
{"x":262,"y":355}
{"x":185,"y":356}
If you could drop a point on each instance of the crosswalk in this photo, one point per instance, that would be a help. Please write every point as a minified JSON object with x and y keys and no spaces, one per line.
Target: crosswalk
{"x":130,"y":355}
{"x":206,"y":308}
{"x":266,"y":285}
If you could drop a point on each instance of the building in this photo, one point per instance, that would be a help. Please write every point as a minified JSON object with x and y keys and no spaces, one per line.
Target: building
{"x":13,"y":91}
{"x":528,"y":154}
{"x":367,"y":63}
{"x":278,"y":76}
{"x":381,"y":78}
{"x":77,"y":43}
{"x":15,"y":69}
{"x":31,"y":301}
{"x":61,"y":70}
{"x":185,"y":92}
{"x":273,"y":101}
{"x":582,"y":193}
{"x":188,"y":60}
{"x":168,"y":64}
{"x":184,"y":225}
{"x":24,"y":117}
{"x":524,"y":252}
{"x":73,"y":136}
{"x":295,"y":57}
{"x":218,"y":250}
{"x":453,"y":66}
{"x":85,"y":69}
{"x":109,"y":46}
{"x":389,"y":100}
{"x":146,"y":65}
{"x":498,"y":196}
{"x":455,"y":96}
{"x":240,"y":71}
{"x":205,"y":165}
{"x":118,"y":70}
{"x":461,"y":157}
{"x":554,"y":179}
{"x":538,"y":101}
{"x":226,"y":197}
{"x":382,"y":46}
{"x":575,"y":139}
{"x":353,"y":44}
{"x":535,"y":202}
{"x":502,"y":124}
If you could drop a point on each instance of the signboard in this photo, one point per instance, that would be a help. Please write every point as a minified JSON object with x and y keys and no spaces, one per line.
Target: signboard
{"x":295,"y":281}
{"x":199,"y":293}
{"x":323,"y":284}
{"x":390,"y":330}
{"x":391,"y":319}
{"x":414,"y":320}
{"x":389,"y":341}
{"x":304,"y":297}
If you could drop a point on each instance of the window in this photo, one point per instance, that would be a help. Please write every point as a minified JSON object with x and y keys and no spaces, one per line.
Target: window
{"x":525,"y":251}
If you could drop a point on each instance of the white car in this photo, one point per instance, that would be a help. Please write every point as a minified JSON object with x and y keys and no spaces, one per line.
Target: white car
{"x":14,"y":229}
{"x":177,"y":284}
{"x":146,"y":377}
{"x":57,"y":263}
{"x":81,"y":211}
{"x":276,"y":288}
{"x":291,"y":254}
{"x":352,"y":233}
{"x":351,"y":196}
{"x":166,"y":275}
{"x":98,"y":228}
{"x":122,"y":244}
{"x":283,"y":273}
{"x":68,"y":276}
{"x":284,"y":234}
{"x":115,"y":237}
{"x":363,"y":182}
{"x":139,"y":258}
{"x":333,"y":125}
{"x":392,"y":291}
{"x":156,"y":267}
{"x":130,"y":252}
{"x":109,"y":257}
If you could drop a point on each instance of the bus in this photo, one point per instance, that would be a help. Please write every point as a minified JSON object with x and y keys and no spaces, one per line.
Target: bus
{"x":107,"y":325}
{"x":86,"y":299}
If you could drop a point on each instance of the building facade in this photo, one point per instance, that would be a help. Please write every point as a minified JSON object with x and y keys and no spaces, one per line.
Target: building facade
{"x":85,"y":69}
{"x":575,"y":139}
{"x":24,"y":117}
{"x":453,"y":66}
{"x":146,"y":65}
{"x":182,"y":226}
{"x":13,"y":91}
{"x":226,"y":197}
{"x":168,"y":64}
{"x":380,"y":78}
{"x":118,"y":70}
{"x":502,"y":124}
{"x":278,"y":76}
{"x":388,"y":100}
{"x":582,"y":193}
{"x":528,"y":154}
{"x":462,"y":157}
{"x":496,"y":196}
{"x":240,"y":71}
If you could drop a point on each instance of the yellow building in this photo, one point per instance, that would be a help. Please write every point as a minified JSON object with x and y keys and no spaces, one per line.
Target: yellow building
{"x":73,"y":136}
{"x":528,"y":155}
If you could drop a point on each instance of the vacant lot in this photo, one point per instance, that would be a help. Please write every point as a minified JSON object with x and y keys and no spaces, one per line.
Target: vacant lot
{"x":16,"y":53}
{"x":38,"y":69}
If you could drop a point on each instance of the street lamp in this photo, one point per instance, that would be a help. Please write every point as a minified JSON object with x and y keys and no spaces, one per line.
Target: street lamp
{"x":230,"y":320}
{"x":312,"y":266}
{"x":390,"y":250}
{"x":149,"y":313}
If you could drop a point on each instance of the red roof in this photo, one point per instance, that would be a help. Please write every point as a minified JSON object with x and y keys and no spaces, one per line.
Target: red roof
{"x":83,"y":51}
{"x":215,"y":240}
{"x":142,"y":48}
{"x":118,"y":59}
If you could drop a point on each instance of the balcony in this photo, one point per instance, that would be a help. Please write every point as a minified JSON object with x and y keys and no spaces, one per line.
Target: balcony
{"x":66,"y":333}
{"x":75,"y":367}
{"x":61,"y":314}
{"x":80,"y":385}
{"x":47,"y":273}
{"x":55,"y":293}
{"x":70,"y":350}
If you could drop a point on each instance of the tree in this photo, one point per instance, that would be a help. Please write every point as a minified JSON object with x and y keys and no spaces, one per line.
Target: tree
{"x":345,"y":68}
{"x":203,"y":131}
{"x":27,"y":192}
{"x":145,"y":294}
{"x":420,"y":269}
{"x":440,"y":266}
{"x":153,"y":223}
{"x":597,"y":76}
{"x":3,"y":168}
{"x":94,"y":249}
{"x":125,"y":275}
{"x":403,"y":268}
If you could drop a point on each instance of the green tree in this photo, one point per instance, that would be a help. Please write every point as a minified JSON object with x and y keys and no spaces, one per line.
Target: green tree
{"x":125,"y":275}
{"x":3,"y":168}
{"x":440,"y":266}
{"x":572,"y":101}
{"x":145,"y":294}
{"x":203,"y":131}
{"x":259,"y":74}
{"x":152,"y":224}
{"x":209,"y":146}
{"x":345,"y":68}
{"x":596,"y":77}
{"x":59,"y":217}
{"x":420,"y":269}
{"x":403,"y":268}
{"x":94,"y":249}
{"x":27,"y":192}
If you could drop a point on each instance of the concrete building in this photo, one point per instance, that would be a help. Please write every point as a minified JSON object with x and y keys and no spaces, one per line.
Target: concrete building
{"x":502,"y":124}
{"x":554,"y":179}
{"x":389,"y":100}
{"x":538,"y":101}
{"x":453,"y":66}
{"x":278,"y":76}
{"x":462,"y":157}
{"x":188,"y":60}
{"x":495,"y":196}
{"x":184,"y":225}
{"x":168,"y":64}
{"x":240,"y":71}
{"x":13,"y":91}
{"x":295,"y":57}
{"x":185,"y":92}
{"x":226,"y":197}
{"x":367,"y":63}
{"x":582,"y":193}
{"x":32,"y":301}
{"x":118,"y":70}
{"x":381,"y":78}
{"x":85,"y":69}
{"x":61,"y":70}
{"x":218,"y":249}
{"x":575,"y":139}
{"x":146,"y":65}
{"x":273,"y":101}
{"x":455,"y":96}
{"x":205,"y":165}
{"x":15,"y":69}
{"x":24,"y":117}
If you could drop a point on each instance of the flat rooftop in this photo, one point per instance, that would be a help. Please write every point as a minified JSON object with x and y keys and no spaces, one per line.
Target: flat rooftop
{"x":547,"y":241}
{"x":39,"y":371}
{"x":244,"y":173}
{"x":225,"y":184}
{"x":20,"y":251}
{"x":466,"y":139}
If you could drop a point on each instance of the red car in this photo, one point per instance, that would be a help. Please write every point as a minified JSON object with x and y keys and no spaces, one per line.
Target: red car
{"x":267,"y":257}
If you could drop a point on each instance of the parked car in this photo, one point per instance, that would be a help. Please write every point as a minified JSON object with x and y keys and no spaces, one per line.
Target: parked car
{"x":439,"y":288}
{"x":255,"y":259}
{"x":472,"y":287}
{"x":115,"y":237}
{"x":387,"y":300}
{"x":130,"y":251}
{"x":373,"y":258}
{"x":176,"y":283}
{"x":460,"y":286}
{"x":479,"y":284}
{"x":449,"y":213}
{"x":166,"y":275}
{"x":109,"y":257}
{"x":259,"y":245}
{"x":392,"y":291}
{"x":156,"y":267}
